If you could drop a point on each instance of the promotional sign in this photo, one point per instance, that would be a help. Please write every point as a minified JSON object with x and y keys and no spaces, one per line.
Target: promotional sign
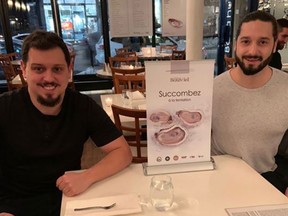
{"x":173,"y":17}
{"x":130,"y":18}
{"x":179,"y":109}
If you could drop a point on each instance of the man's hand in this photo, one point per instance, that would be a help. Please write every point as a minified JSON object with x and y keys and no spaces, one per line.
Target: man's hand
{"x":72,"y":184}
{"x":286,"y":192}
{"x":6,"y":214}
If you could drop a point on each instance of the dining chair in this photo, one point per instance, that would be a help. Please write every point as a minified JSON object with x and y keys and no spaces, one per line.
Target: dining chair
{"x":126,"y":54}
{"x":129,"y":82}
{"x":121,"y":50}
{"x":116,"y":61}
{"x":120,"y":82}
{"x":178,"y":55}
{"x":11,"y":72}
{"x":229,"y":62}
{"x":167,"y":48}
{"x":134,"y":132}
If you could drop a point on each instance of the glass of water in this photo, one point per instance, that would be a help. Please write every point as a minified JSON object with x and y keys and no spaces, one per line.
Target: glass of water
{"x":161,"y":192}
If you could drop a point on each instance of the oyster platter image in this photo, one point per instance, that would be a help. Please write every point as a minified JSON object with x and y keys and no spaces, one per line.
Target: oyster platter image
{"x":172,"y":136}
{"x":172,"y":129}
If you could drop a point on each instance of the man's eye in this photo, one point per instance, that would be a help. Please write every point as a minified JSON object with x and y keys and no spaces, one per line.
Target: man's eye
{"x":245,"y":42}
{"x":38,"y":69}
{"x":57,"y":69}
{"x":263,"y":42}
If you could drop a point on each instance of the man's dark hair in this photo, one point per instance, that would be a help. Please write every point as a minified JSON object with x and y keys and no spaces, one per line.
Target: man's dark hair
{"x":43,"y":40}
{"x":282,"y":23}
{"x":262,"y":16}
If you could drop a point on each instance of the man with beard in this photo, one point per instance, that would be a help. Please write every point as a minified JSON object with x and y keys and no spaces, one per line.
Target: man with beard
{"x":42,"y":131}
{"x":250,"y":115}
{"x":282,"y":40}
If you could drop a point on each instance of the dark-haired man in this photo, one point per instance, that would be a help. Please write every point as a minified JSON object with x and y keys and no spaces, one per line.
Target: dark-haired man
{"x":250,"y":101}
{"x":42,"y":131}
{"x":282,"y":40}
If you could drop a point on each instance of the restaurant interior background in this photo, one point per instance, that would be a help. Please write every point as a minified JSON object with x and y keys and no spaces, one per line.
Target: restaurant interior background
{"x":84,"y":26}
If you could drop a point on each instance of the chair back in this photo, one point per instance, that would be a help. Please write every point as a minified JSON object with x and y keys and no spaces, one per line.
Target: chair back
{"x":127,"y":54}
{"x":11,"y":72}
{"x":116,"y":61}
{"x":121,"y":50}
{"x":229,"y":62}
{"x":121,"y":82}
{"x":134,"y":133}
{"x":178,"y":55}
{"x":129,"y":82}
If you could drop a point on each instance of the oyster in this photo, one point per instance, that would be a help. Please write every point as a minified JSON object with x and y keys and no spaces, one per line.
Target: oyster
{"x":161,"y":117}
{"x":172,"y":136}
{"x":190,"y":118}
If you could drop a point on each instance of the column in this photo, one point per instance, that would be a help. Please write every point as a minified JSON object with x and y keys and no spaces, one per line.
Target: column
{"x":194,"y":29}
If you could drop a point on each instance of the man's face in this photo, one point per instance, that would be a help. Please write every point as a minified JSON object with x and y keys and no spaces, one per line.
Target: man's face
{"x":47,"y":76}
{"x":282,"y":38}
{"x":254,"y":46}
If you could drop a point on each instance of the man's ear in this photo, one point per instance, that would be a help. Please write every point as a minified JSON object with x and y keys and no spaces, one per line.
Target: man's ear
{"x":23,"y":68}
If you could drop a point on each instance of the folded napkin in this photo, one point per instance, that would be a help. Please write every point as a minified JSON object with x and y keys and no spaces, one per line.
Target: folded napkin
{"x":135,"y":95}
{"x":125,"y":204}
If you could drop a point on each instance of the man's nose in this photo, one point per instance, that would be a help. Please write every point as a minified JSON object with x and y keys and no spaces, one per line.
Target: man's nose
{"x":48,"y":76}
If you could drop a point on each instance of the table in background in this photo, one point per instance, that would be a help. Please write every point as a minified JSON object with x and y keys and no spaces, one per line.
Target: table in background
{"x":158,"y":56}
{"x":104,"y":74}
{"x":204,"y":193}
{"x":118,"y":99}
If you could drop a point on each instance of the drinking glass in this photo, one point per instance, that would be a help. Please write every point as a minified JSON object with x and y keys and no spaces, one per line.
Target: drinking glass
{"x":161,"y":192}
{"x":125,"y":97}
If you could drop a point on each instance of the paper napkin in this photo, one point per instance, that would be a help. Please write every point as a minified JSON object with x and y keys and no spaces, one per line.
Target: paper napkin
{"x":125,"y":204}
{"x":135,"y":95}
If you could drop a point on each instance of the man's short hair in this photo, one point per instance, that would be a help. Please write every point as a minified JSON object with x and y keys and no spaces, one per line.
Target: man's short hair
{"x":262,"y":16}
{"x":282,"y":23}
{"x":43,"y":40}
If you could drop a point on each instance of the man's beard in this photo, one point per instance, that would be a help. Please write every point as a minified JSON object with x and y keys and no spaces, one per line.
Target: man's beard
{"x":250,"y":70}
{"x":280,"y":46}
{"x":49,"y":101}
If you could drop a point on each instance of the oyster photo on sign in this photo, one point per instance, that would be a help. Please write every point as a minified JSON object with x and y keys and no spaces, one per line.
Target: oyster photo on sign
{"x":172,"y":136}
{"x":190,"y":118}
{"x":161,"y":117}
{"x":175,"y":23}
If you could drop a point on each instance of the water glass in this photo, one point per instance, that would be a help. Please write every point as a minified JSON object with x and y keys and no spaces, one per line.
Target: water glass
{"x":161,"y":192}
{"x":125,"y":96}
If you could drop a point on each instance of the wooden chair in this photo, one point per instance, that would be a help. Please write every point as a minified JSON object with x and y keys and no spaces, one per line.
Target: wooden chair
{"x":11,"y":73}
{"x":167,"y":48}
{"x":130,"y":82}
{"x":134,"y":133}
{"x":121,"y":83}
{"x":117,"y":60}
{"x":229,"y":62}
{"x":121,"y":50}
{"x":178,"y":55}
{"x":127,"y":54}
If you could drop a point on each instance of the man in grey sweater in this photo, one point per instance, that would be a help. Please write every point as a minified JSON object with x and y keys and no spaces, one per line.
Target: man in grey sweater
{"x":250,"y":101}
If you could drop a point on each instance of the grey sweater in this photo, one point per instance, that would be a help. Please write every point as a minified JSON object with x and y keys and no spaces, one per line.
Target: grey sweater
{"x":249,"y":123}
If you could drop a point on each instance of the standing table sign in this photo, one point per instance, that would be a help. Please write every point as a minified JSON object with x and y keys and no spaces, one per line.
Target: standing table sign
{"x":179,"y":111}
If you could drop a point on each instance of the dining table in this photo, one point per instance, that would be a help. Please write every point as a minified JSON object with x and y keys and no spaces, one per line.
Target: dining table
{"x":232,"y":184}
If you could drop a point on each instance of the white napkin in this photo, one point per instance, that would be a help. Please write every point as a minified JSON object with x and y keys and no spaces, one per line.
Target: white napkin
{"x":125,"y":204}
{"x":135,"y":95}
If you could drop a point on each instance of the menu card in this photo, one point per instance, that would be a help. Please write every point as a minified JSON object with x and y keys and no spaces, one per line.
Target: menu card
{"x":130,"y":18}
{"x":179,"y":109}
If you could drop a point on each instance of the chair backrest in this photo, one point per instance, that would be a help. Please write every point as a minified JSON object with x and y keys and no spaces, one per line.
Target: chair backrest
{"x":134,"y":133}
{"x":126,"y":54}
{"x":121,"y":50}
{"x":167,"y":48}
{"x":229,"y":62}
{"x":118,"y":60}
{"x":178,"y":55}
{"x":11,"y":72}
{"x":131,"y":82}
{"x":120,"y":83}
